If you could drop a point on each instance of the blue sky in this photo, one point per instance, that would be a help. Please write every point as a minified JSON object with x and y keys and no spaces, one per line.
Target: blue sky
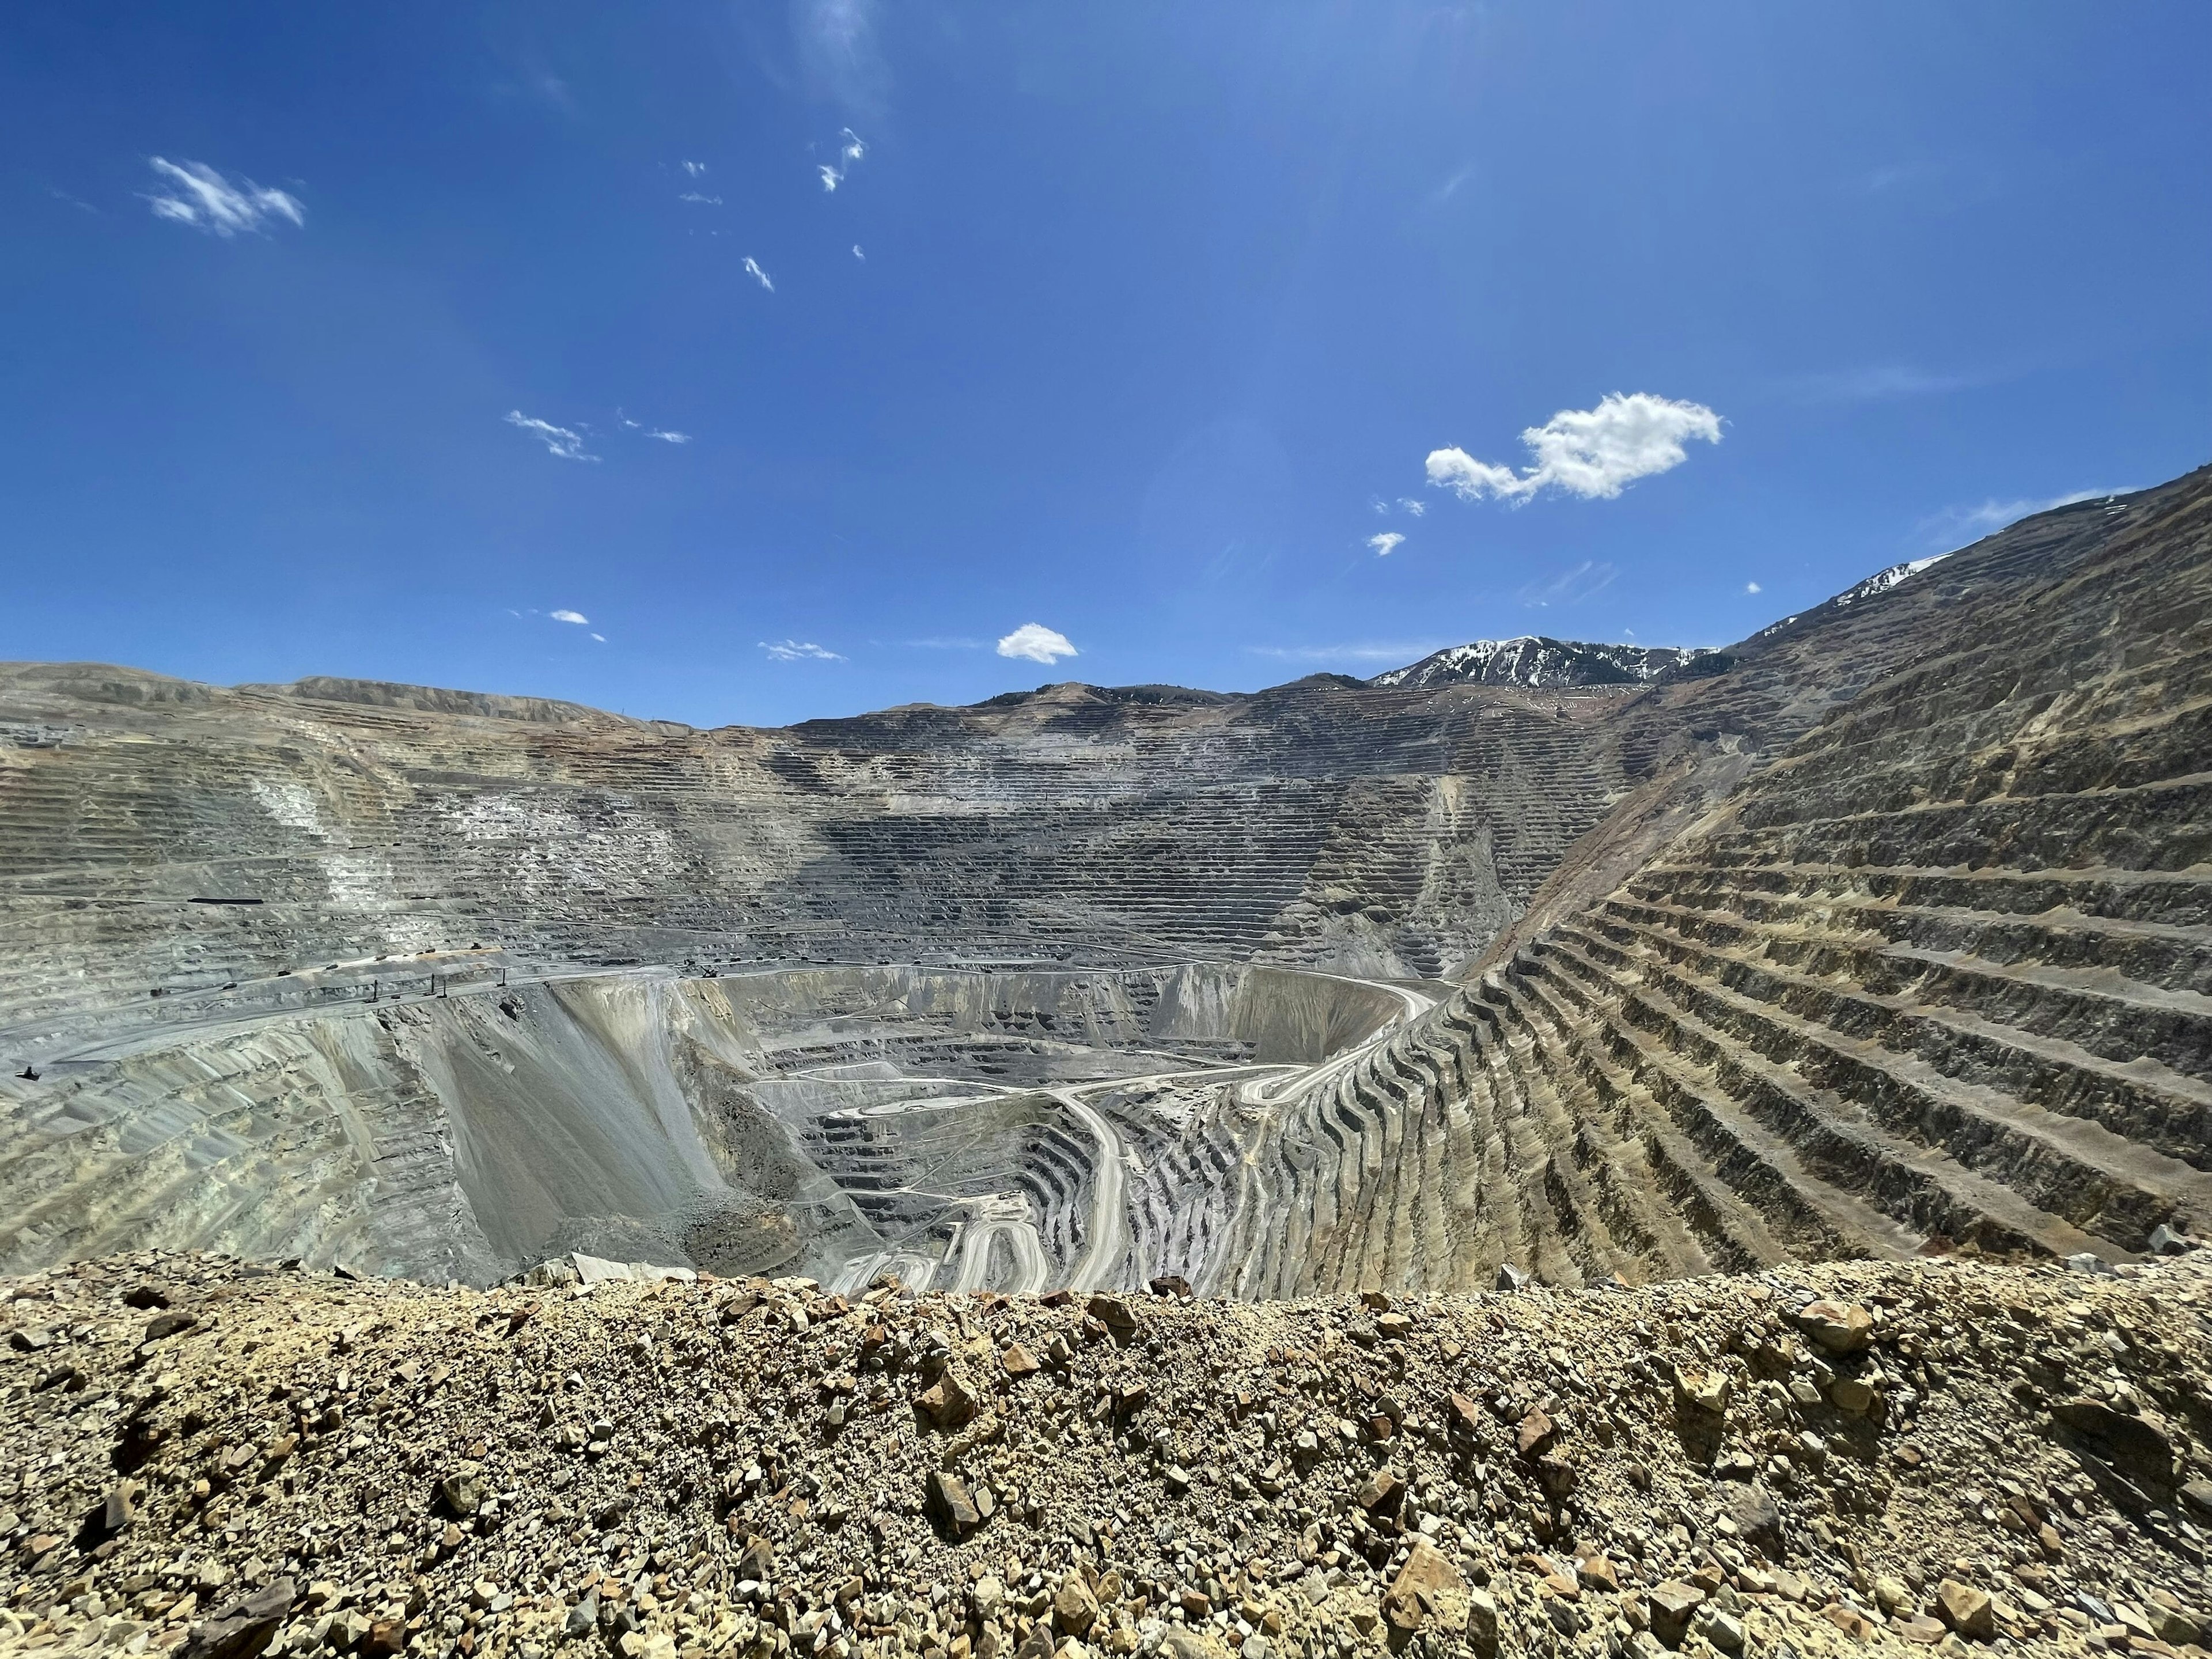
{"x":1122,"y":321}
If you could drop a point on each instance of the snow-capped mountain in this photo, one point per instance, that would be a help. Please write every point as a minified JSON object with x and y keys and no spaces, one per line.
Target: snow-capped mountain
{"x":1534,"y":660}
{"x":1881,"y":582}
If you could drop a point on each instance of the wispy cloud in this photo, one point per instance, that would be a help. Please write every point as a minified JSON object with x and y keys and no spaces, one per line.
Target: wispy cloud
{"x":1036,"y":642}
{"x":567,"y":445}
{"x":1450,"y":187}
{"x":693,"y":168}
{"x":1591,"y":452}
{"x":850,"y":149}
{"x":700,"y":199}
{"x":857,"y":254}
{"x":1570,"y":586}
{"x":753,"y":271}
{"x":837,"y":42}
{"x":198,"y":196}
{"x":1414,"y":508}
{"x":666,"y":437}
{"x":1752,"y":587}
{"x":798,"y":651}
{"x":1944,"y":528}
{"x":1879,"y":383}
{"x":553,"y":90}
{"x":1385,"y":543}
{"x":1364,"y":653}
{"x":574,"y":618}
{"x":1879,"y":179}
{"x":945,"y":644}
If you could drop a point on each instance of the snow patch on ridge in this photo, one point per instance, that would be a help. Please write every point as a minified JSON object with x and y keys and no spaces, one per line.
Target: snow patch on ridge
{"x":1534,"y":660}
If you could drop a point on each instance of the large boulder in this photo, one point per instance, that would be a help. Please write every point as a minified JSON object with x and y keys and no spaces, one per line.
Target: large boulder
{"x":1427,"y":1591}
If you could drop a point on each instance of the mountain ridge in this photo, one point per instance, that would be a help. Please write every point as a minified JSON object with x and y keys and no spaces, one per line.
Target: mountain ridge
{"x":1539,"y":662}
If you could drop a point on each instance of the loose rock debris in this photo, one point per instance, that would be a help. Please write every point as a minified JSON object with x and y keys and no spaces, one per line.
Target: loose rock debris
{"x":204,"y":1457}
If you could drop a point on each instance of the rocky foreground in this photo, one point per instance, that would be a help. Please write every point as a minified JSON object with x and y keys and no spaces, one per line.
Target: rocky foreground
{"x":201,"y":1455}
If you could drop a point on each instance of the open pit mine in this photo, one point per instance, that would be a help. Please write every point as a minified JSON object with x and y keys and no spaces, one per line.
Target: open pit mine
{"x":1561,"y":1147}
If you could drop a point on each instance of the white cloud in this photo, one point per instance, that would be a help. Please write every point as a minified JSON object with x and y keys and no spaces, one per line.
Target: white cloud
{"x":1994,"y":515}
{"x":1037,"y":643}
{"x":857,"y":254}
{"x":601,"y":638}
{"x":1414,"y":508}
{"x":1590,"y":452}
{"x":1382,"y":508}
{"x":1385,"y":543}
{"x":207,"y":201}
{"x":798,"y":651}
{"x":753,"y":271}
{"x":831,"y":177}
{"x":575,"y":617}
{"x":1752,"y":587}
{"x":703,"y":201}
{"x":569,"y":445}
{"x":694,"y":168}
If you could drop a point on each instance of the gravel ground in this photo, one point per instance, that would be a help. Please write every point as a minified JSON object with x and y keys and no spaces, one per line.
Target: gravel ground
{"x":204,"y":1455}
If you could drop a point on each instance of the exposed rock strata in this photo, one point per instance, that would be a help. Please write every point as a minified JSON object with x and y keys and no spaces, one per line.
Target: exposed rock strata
{"x":1935,"y":980}
{"x":819,"y":1119}
{"x":1146,"y":983}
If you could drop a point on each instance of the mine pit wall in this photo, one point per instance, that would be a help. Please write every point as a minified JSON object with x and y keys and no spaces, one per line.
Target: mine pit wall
{"x":1375,"y":831}
{"x":1100,"y":1008}
{"x":1280,"y":1014}
{"x":1887,"y":998}
{"x":630,"y":1116}
{"x":613,"y":1115}
{"x":1934,"y":981}
{"x":1285,"y":1016}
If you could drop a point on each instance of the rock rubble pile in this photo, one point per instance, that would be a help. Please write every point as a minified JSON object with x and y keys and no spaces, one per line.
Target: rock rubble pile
{"x":203,"y":1456}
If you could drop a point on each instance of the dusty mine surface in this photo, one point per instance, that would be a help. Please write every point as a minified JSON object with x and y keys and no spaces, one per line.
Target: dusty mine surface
{"x":205,"y":1455}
